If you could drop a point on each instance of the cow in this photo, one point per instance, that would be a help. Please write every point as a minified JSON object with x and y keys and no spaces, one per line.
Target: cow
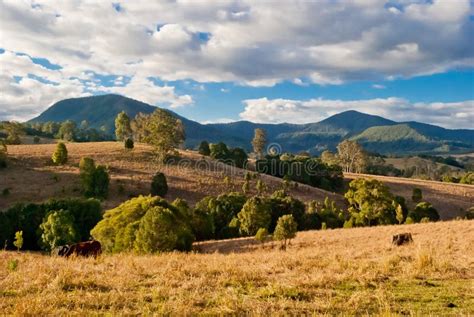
{"x":402,"y":238}
{"x":88,"y":248}
{"x":61,"y":250}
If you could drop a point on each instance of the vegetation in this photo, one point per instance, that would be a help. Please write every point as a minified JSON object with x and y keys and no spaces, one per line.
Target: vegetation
{"x":159,"y":186}
{"x":255,"y":214}
{"x":3,"y":154}
{"x":57,"y":229}
{"x":18,"y":243}
{"x":234,"y":156}
{"x":204,"y":148}
{"x":67,"y":130}
{"x":285,"y":229}
{"x":416,"y":195}
{"x":160,"y":129}
{"x":424,"y":210}
{"x":351,"y":156}
{"x":145,"y":224}
{"x":123,"y":129}
{"x":94,"y":179}
{"x":259,"y":141}
{"x":60,"y":154}
{"x":262,"y":235}
{"x":129,"y":144}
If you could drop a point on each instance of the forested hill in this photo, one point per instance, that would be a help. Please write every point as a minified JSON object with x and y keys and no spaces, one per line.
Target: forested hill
{"x":373,"y":132}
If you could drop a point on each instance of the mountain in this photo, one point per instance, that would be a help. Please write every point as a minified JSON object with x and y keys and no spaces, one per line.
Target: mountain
{"x":375,"y":133}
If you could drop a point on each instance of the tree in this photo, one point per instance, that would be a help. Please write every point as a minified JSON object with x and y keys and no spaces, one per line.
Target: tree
{"x":123,"y":129}
{"x":57,"y":229}
{"x":159,"y":186}
{"x":259,"y":141}
{"x":67,"y":130}
{"x":204,"y":148}
{"x":351,"y":156}
{"x":255,"y":214}
{"x":261,"y":235}
{"x":161,"y":130}
{"x":283,"y":204}
{"x":128,"y":144}
{"x":219,"y":151}
{"x":285,"y":229}
{"x":18,"y":243}
{"x":95,"y":179}
{"x":329,"y":158}
{"x":60,"y":155}
{"x":399,"y":214}
{"x":417,"y":195}
{"x":370,"y":202}
{"x":14,"y":131}
{"x":3,"y":154}
{"x":261,"y":187}
{"x":239,"y":157}
{"x":424,"y":210}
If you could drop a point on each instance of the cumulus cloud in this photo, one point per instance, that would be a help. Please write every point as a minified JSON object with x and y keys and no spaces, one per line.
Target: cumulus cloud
{"x":249,"y":42}
{"x":449,"y":115}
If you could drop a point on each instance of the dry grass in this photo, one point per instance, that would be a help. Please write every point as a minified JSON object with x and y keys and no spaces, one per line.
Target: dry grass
{"x":451,"y":200}
{"x":32,"y":177}
{"x":344,"y":271}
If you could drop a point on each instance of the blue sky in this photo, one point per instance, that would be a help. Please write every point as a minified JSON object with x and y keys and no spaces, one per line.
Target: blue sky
{"x":216,"y":62}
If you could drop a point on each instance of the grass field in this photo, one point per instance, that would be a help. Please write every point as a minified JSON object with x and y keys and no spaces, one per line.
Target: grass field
{"x":343,"y":271}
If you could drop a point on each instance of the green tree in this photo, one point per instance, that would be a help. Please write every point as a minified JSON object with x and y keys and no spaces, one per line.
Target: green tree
{"x":159,"y":186}
{"x":285,"y":229}
{"x":123,"y":129}
{"x":255,"y":214}
{"x":283,"y":204}
{"x":18,"y":243}
{"x":67,"y":130}
{"x":261,"y":235}
{"x":417,"y":195}
{"x":239,"y":157}
{"x":351,"y":156}
{"x":204,"y":148}
{"x":14,"y":131}
{"x":60,"y":155}
{"x":329,"y":158}
{"x":3,"y":154}
{"x":219,"y":151}
{"x":261,"y":187}
{"x":95,"y":179}
{"x":370,"y":202}
{"x":57,"y":229}
{"x":259,"y":141}
{"x":399,"y":214}
{"x":128,"y":144}
{"x":424,"y":210}
{"x":160,"y":129}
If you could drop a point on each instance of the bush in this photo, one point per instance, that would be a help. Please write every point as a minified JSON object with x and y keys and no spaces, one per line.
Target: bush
{"x":128,"y":144}
{"x":201,"y":222}
{"x":285,"y":229}
{"x":469,"y":213}
{"x":417,"y":195}
{"x":57,"y":229}
{"x":60,"y":154}
{"x":283,"y":204}
{"x":204,"y":148}
{"x":36,"y":140}
{"x":255,"y":214}
{"x":95,"y":179}
{"x":424,"y":210}
{"x":159,"y":186}
{"x":261,"y":235}
{"x":18,"y":243}
{"x":467,"y":178}
{"x":125,"y":228}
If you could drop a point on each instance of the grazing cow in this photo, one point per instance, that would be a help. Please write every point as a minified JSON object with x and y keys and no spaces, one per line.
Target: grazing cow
{"x":88,"y":248}
{"x":61,"y":250}
{"x":402,"y":238}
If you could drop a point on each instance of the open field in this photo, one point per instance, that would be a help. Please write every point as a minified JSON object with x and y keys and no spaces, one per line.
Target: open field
{"x":451,"y":200}
{"x":32,"y":177}
{"x":343,"y":271}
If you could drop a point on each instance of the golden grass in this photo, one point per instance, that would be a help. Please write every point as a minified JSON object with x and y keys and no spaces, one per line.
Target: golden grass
{"x":343,"y":271}
{"x":32,"y":177}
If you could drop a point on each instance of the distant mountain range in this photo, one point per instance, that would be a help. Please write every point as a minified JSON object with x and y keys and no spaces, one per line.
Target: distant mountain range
{"x":375,"y":133}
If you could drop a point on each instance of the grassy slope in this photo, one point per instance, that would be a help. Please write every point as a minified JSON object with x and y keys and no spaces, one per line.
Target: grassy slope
{"x":451,"y":200}
{"x":344,"y":271}
{"x":32,"y":177}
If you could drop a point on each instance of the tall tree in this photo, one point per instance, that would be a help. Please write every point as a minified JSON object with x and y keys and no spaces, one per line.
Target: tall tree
{"x":14,"y":131}
{"x":259,"y":141}
{"x":123,"y":130}
{"x":160,"y":129}
{"x":67,"y":131}
{"x":351,"y":156}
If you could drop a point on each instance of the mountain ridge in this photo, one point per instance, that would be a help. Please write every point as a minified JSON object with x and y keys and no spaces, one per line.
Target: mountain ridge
{"x":100,"y":111}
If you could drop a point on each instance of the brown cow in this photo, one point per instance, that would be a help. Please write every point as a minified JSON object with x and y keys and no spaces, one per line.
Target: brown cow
{"x":88,"y":248}
{"x":402,"y":238}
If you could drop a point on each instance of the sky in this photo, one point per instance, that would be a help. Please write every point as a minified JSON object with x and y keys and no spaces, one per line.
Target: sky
{"x":262,"y":61}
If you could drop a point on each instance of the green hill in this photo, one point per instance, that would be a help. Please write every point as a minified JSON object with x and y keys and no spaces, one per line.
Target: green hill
{"x":375,"y":133}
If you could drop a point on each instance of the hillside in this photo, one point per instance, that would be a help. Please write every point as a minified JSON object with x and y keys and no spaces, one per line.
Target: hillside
{"x":329,"y":272}
{"x":100,"y":111}
{"x":31,"y":176}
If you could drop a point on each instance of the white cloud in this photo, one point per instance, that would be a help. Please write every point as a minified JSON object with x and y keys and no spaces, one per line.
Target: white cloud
{"x":450,"y":115}
{"x":378,"y":86}
{"x":219,"y":120}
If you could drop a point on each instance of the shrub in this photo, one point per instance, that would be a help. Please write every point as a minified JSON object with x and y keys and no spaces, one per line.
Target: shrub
{"x":255,"y":214}
{"x":283,"y":204}
{"x":36,"y":140}
{"x":219,"y":151}
{"x":201,"y":222}
{"x":239,"y":157}
{"x":95,"y":179}
{"x":470,"y":213}
{"x":409,"y":221}
{"x":261,"y":187}
{"x":159,"y":186}
{"x":125,"y":227}
{"x":60,"y":154}
{"x":424,"y":210}
{"x":261,"y":235}
{"x":204,"y":148}
{"x":285,"y":229}
{"x":128,"y":144}
{"x":18,"y":243}
{"x":417,"y":195}
{"x":467,"y":178}
{"x":371,"y":202}
{"x":57,"y":229}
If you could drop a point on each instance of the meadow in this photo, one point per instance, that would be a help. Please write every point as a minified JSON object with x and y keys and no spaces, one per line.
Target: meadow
{"x":327,"y":272}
